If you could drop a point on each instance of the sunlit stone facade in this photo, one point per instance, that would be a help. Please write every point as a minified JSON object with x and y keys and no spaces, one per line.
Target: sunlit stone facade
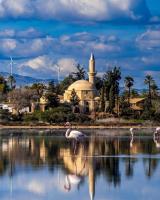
{"x":85,"y":90}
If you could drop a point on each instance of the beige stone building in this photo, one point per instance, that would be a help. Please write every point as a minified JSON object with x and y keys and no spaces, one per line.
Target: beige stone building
{"x":85,"y":90}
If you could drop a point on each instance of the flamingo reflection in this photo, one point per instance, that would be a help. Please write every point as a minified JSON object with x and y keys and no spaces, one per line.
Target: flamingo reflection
{"x":132,"y":137}
{"x":79,"y":166}
{"x":71,"y":180}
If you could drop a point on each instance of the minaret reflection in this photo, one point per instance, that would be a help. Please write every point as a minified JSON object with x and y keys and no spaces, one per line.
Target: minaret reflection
{"x":43,"y":151}
{"x":91,"y":173}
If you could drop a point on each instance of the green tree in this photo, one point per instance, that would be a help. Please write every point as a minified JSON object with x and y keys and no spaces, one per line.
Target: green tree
{"x":112,"y":99}
{"x":98,"y":83}
{"x":51,"y":95}
{"x":65,"y":83}
{"x":129,"y":81}
{"x":148,"y":111}
{"x":4,"y":89}
{"x":154,"y":90}
{"x":134,"y":93}
{"x":111,"y":81}
{"x":39,"y":88}
{"x":103,"y":99}
{"x":80,"y":74}
{"x":124,"y":107}
{"x":51,"y":86}
{"x":149,"y":81}
{"x":12,"y":82}
{"x":74,"y":99}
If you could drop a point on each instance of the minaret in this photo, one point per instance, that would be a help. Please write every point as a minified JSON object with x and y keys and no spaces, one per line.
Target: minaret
{"x":92,"y":72}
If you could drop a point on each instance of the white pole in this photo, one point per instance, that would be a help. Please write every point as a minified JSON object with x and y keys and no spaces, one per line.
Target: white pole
{"x":58,"y":72}
{"x":11,"y":65}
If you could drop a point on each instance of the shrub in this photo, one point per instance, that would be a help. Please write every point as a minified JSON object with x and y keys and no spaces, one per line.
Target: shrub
{"x":56,"y":116}
{"x":4,"y":115}
{"x":36,"y":116}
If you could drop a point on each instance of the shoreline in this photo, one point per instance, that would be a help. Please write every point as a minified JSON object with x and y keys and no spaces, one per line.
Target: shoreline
{"x":57,"y":127}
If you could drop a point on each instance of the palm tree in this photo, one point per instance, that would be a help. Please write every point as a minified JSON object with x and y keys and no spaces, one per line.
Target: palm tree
{"x":149,"y":81}
{"x":111,"y":81}
{"x":129,"y":81}
{"x":12,"y":82}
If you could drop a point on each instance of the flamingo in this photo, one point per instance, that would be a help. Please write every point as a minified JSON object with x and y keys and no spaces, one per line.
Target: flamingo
{"x":157,"y":130}
{"x":76,"y":135}
{"x":67,"y":124}
{"x":4,"y":147}
{"x":157,"y":143}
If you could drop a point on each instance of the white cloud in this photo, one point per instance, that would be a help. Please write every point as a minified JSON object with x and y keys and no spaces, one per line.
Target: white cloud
{"x":75,"y":10}
{"x":67,"y":65}
{"x":30,"y":43}
{"x":41,"y":66}
{"x":151,"y":60}
{"x":36,"y":187}
{"x":7,"y":33}
{"x":41,"y":62}
{"x":46,"y":67}
{"x":25,"y":47}
{"x":102,"y":47}
{"x":155,"y":19}
{"x":149,"y":39}
{"x":16,"y":8}
{"x":29,"y":33}
{"x":8,"y":45}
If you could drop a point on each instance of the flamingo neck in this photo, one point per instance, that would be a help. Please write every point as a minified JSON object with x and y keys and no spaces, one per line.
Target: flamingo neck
{"x":68,"y":133}
{"x":132,"y":133}
{"x":67,"y":184}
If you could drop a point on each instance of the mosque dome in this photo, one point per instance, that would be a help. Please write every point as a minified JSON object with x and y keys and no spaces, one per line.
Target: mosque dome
{"x":81,"y":85}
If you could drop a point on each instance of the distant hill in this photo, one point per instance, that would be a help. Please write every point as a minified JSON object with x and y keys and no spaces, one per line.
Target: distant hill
{"x":26,"y":80}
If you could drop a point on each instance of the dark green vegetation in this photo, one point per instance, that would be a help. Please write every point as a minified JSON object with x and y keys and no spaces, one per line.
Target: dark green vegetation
{"x":114,"y":102}
{"x":57,"y":115}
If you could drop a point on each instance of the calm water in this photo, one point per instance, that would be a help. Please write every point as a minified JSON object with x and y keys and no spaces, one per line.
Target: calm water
{"x":102,"y":168}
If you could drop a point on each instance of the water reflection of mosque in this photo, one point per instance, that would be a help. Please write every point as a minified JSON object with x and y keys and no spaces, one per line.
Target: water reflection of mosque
{"x":38,"y":151}
{"x":81,"y":164}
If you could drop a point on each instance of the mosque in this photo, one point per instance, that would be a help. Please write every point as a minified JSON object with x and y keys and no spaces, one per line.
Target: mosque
{"x":86,"y":91}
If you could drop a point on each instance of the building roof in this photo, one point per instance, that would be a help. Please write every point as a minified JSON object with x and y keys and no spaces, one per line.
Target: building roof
{"x":82,"y":85}
{"x":136,"y":100}
{"x":135,"y":107}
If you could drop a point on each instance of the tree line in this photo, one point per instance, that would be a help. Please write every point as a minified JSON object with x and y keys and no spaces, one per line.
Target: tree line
{"x":113,"y":99}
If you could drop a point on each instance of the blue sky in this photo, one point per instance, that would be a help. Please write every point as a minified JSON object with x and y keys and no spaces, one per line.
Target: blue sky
{"x":40,"y":35}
